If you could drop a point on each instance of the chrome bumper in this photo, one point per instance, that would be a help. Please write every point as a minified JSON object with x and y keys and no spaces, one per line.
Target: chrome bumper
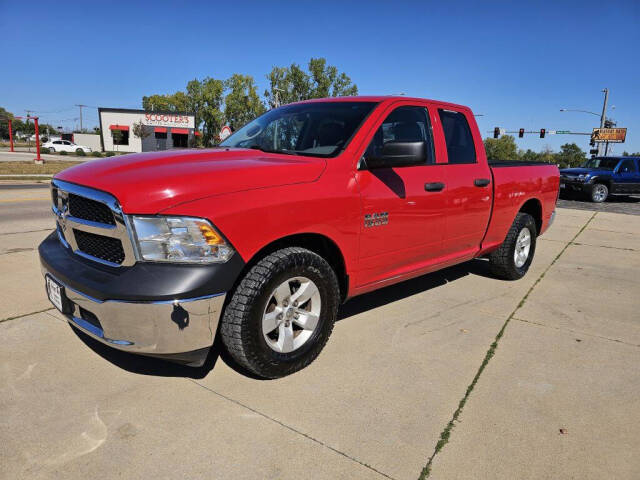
{"x":155,"y":328}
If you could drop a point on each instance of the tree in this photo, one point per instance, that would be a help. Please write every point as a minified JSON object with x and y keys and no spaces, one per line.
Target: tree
{"x":4,"y":122}
{"x":503,"y":148}
{"x":627,"y":154}
{"x":242,"y":103}
{"x":293,"y":84}
{"x":140,"y":130}
{"x":211,"y":111}
{"x":570,"y":155}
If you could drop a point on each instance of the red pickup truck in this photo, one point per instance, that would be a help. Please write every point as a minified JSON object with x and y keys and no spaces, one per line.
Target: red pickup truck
{"x":260,"y":239}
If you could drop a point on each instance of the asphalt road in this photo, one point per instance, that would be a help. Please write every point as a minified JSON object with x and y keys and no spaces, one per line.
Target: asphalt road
{"x":455,"y":374}
{"x":628,"y":204}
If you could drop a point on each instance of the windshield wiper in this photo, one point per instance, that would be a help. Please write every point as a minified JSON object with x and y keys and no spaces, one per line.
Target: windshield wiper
{"x":258,"y":147}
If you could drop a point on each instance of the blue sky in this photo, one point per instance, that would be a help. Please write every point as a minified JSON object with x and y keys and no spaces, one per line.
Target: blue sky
{"x":517,"y":63}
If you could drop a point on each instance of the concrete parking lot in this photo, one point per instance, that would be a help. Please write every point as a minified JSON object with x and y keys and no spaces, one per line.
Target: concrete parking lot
{"x":453,"y":375}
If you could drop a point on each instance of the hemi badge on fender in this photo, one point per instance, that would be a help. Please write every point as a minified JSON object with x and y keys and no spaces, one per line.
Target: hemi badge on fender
{"x":376,"y":219}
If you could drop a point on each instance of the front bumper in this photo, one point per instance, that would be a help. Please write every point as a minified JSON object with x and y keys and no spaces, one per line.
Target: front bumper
{"x":165,"y":310}
{"x":574,"y":185}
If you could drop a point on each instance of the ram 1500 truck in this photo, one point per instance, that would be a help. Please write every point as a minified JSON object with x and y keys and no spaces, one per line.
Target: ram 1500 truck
{"x":599,"y":177}
{"x":260,"y":239}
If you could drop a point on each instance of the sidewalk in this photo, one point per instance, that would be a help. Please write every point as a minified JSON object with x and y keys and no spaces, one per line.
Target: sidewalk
{"x":455,"y":374}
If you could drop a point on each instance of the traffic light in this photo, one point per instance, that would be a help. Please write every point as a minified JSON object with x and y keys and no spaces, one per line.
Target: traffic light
{"x":542,"y":132}
{"x":496,"y":132}
{"x":521,"y":133}
{"x":593,"y":151}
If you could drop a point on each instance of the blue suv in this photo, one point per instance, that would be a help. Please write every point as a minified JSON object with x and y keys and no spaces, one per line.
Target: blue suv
{"x":601,"y":176}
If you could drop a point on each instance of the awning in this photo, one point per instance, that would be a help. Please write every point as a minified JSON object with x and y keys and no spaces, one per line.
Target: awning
{"x":119,"y":127}
{"x":197,"y":134}
{"x":160,"y":130}
{"x":180,"y":130}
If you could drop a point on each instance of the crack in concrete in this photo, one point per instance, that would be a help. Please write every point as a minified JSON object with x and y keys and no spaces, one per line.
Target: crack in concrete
{"x":288,"y":427}
{"x":564,"y":329}
{"x":446,"y":433}
{"x":16,"y":317}
{"x":26,"y":231}
{"x":17,"y":250}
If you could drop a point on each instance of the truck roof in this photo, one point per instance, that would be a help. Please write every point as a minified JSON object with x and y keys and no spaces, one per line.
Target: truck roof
{"x":379,"y":99}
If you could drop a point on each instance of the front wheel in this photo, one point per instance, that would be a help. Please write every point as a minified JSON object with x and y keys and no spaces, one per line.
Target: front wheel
{"x":599,"y":193}
{"x":512,"y":260}
{"x":281,"y":314}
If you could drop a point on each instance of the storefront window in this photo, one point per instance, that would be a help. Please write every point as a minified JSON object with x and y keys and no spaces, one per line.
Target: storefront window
{"x":180,"y":140}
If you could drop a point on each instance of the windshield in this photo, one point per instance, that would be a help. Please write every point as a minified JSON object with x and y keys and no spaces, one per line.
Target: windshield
{"x":601,"y":163}
{"x":319,"y":129}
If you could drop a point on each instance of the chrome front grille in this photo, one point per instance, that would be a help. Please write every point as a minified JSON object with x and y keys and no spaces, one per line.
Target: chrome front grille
{"x":91,"y":224}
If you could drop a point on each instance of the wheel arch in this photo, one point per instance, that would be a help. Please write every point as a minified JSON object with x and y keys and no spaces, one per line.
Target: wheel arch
{"x":315,"y":242}
{"x":533,"y":207}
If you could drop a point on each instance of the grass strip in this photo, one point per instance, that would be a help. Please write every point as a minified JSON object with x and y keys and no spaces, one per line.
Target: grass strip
{"x":446,"y":433}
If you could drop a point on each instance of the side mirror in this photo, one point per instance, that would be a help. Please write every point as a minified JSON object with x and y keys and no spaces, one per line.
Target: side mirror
{"x":397,"y":154}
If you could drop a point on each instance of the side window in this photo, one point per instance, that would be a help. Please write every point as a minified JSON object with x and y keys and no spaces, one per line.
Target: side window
{"x":404,"y":124}
{"x":57,"y":142}
{"x":627,"y":166}
{"x":457,"y":134}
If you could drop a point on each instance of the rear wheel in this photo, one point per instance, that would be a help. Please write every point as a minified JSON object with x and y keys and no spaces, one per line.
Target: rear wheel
{"x":52,"y":150}
{"x":512,"y":260}
{"x":599,"y":193}
{"x":282,"y":313}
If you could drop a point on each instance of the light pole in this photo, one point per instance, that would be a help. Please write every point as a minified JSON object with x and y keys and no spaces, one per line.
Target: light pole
{"x":603,"y":115}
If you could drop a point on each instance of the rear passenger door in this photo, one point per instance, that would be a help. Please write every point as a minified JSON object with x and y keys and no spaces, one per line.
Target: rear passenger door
{"x":469,"y":185}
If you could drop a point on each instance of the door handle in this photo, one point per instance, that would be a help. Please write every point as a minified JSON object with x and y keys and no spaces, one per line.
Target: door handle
{"x":434,"y":187}
{"x":481,"y":182}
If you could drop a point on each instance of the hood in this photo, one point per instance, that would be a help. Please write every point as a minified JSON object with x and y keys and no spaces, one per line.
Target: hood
{"x":148,"y":183}
{"x":580,"y":171}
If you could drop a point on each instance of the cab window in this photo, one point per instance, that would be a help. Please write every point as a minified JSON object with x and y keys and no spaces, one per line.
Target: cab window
{"x":457,"y":134}
{"x":627,"y":166}
{"x":404,"y":124}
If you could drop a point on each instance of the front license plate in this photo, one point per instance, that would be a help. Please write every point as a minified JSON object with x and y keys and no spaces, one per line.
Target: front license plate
{"x":55,"y":293}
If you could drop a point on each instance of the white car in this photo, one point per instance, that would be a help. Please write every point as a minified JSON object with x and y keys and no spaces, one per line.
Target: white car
{"x":64,"y":146}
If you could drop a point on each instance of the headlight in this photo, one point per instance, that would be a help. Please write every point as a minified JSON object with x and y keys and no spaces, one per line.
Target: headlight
{"x":179,"y":239}
{"x":583,"y":177}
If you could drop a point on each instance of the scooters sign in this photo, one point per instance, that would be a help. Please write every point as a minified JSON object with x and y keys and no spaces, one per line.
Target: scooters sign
{"x":167,"y":120}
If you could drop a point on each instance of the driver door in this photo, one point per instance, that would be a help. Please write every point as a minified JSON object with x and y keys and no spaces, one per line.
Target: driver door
{"x":403,"y":206}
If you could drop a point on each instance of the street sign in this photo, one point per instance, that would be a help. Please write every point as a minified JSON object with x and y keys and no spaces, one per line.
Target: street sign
{"x":560,"y":132}
{"x":611,"y":135}
{"x":225,"y":132}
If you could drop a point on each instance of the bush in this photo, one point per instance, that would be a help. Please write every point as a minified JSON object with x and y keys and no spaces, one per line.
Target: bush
{"x":44,"y":150}
{"x":63,"y":153}
{"x":96,"y":154}
{"x":80,"y":152}
{"x":109,"y":154}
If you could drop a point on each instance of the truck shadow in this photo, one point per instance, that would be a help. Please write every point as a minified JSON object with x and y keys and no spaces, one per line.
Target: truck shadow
{"x":153,"y":366}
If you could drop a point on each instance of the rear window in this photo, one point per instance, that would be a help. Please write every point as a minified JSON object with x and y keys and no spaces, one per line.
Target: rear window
{"x":457,"y":134}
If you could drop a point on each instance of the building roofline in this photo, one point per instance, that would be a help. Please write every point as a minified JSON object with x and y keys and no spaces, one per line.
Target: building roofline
{"x":135,"y":110}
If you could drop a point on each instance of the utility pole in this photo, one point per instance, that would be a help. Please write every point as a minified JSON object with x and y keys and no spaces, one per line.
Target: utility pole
{"x":603,"y":117}
{"x":80,"y":107}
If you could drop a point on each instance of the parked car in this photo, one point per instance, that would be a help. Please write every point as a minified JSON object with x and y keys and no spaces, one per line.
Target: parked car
{"x":599,"y":177}
{"x":263,"y":237}
{"x":65,"y":146}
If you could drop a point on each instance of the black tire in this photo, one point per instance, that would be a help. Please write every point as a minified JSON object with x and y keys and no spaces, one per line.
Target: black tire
{"x":52,"y":150}
{"x":78,"y":150}
{"x":502,"y":261}
{"x":599,"y":192}
{"x":241,"y":324}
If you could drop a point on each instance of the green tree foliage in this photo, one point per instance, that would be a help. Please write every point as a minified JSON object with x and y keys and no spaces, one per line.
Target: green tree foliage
{"x":627,"y":154}
{"x":236,"y":101}
{"x":503,"y":148}
{"x":293,"y":84}
{"x":4,"y":123}
{"x":242,"y":103}
{"x":570,"y":155}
